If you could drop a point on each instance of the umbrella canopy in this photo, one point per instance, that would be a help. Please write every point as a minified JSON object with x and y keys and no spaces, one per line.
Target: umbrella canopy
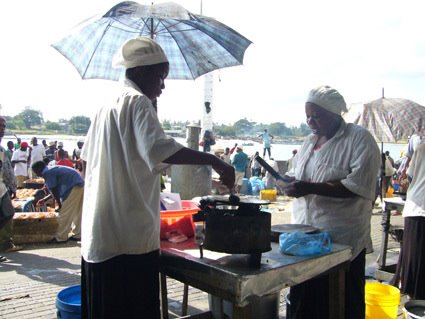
{"x":388,"y":119}
{"x":194,"y":44}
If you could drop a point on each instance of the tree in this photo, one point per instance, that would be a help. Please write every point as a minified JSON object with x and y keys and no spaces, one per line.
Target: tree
{"x":79,"y":124}
{"x":30,"y":117}
{"x":16,"y":124}
{"x":279,"y":129}
{"x":53,"y":126}
{"x":302,"y":130}
{"x":224,"y":130}
{"x":243,"y":126}
{"x":166,"y":125}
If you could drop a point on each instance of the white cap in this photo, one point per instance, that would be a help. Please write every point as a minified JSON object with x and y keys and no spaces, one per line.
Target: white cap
{"x":327,"y":98}
{"x":138,"y":52}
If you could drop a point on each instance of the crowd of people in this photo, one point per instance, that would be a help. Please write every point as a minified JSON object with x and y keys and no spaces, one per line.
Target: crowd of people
{"x":24,"y":162}
{"x":248,"y":168}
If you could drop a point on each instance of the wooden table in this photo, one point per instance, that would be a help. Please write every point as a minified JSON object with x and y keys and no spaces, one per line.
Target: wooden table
{"x":229,"y":278}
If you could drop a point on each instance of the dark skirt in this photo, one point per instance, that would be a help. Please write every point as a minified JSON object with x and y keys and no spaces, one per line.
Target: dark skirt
{"x":412,"y":270}
{"x":126,"y":286}
{"x":310,"y":299}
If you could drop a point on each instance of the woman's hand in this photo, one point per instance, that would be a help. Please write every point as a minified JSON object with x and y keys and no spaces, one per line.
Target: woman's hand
{"x":296,"y":189}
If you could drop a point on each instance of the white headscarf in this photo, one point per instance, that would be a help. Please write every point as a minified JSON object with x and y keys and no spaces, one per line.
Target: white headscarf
{"x":327,"y":98}
{"x":138,"y":52}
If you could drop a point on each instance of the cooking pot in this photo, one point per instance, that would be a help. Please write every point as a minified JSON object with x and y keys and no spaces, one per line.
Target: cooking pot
{"x":235,"y":226}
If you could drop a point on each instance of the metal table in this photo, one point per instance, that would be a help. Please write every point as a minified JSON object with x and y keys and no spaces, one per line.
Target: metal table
{"x":395,"y":203}
{"x":229,"y":278}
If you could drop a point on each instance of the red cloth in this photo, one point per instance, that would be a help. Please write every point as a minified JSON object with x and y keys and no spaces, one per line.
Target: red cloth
{"x":65,"y":162}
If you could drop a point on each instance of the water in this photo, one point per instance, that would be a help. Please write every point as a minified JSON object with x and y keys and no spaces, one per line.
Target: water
{"x":283,"y":152}
{"x":279,"y":151}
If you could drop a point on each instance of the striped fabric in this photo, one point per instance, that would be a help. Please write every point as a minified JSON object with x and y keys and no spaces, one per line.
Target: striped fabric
{"x":390,"y":120}
{"x":194,"y":44}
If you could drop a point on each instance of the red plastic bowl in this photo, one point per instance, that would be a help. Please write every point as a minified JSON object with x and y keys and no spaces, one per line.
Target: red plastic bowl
{"x":179,"y":221}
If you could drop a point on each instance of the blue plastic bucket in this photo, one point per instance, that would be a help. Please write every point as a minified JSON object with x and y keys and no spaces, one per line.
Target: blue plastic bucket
{"x":68,"y":303}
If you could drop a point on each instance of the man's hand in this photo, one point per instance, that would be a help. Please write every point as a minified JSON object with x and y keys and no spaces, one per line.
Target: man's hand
{"x":12,"y":195}
{"x":226,"y":172}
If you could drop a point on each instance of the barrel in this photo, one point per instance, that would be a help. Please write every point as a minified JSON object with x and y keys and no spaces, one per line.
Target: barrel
{"x":68,"y":303}
{"x":381,"y":301}
{"x":414,"y":309}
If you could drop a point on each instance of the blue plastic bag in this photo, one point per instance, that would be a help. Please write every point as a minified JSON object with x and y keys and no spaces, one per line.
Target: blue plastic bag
{"x":302,"y":244}
{"x":257,"y":185}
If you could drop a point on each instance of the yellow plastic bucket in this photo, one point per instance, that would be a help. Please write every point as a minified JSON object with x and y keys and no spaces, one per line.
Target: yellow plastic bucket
{"x":381,"y":301}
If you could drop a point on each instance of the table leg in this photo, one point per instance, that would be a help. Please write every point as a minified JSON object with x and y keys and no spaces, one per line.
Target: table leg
{"x":164,"y":298}
{"x":337,"y":294}
{"x":185,"y":299}
{"x":216,"y":306}
{"x":386,"y":216}
{"x":242,"y":312}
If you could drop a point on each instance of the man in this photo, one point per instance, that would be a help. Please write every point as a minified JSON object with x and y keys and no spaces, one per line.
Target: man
{"x":67,"y":187}
{"x":267,"y":139}
{"x":226,"y":156}
{"x":335,"y":171}
{"x":63,"y":159}
{"x":38,"y":153}
{"x":51,"y":150}
{"x":9,"y":151}
{"x":411,"y":265}
{"x":240,"y":162}
{"x":7,"y":191}
{"x":20,"y":161}
{"x":60,"y":147}
{"x":18,"y":144}
{"x":124,"y":152}
{"x":294,"y":152}
{"x":76,"y":155}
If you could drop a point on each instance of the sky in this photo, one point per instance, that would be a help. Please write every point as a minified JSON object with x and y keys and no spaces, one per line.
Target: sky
{"x":358,"y":47}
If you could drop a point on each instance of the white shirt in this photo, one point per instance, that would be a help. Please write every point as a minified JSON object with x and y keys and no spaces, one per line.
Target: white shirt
{"x":21,"y":169}
{"x":38,"y":153}
{"x":351,"y":156}
{"x":124,"y":150}
{"x":414,"y":141}
{"x":415,"y":199}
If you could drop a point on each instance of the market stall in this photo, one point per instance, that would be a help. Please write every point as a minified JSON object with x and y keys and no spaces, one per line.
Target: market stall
{"x":229,"y":277}
{"x":233,"y":258}
{"x":32,"y":223}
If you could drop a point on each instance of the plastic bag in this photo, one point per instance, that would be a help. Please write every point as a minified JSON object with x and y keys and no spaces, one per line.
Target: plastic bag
{"x":302,"y":244}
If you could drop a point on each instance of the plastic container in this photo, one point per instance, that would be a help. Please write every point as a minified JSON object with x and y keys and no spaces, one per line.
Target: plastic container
{"x":389,"y":193}
{"x":414,"y":309}
{"x":246,"y":187}
{"x":268,"y":194}
{"x":68,"y":303}
{"x":381,"y":301}
{"x":179,"y":221}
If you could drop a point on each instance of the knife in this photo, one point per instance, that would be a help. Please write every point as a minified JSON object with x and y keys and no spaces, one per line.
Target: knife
{"x":271,"y":170}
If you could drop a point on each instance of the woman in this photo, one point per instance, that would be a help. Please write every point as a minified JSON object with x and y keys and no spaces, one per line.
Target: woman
{"x":412,"y":261}
{"x":334,"y":183}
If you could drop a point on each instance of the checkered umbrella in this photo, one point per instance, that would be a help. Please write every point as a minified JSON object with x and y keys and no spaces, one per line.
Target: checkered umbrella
{"x":388,"y":120}
{"x":194,"y":44}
